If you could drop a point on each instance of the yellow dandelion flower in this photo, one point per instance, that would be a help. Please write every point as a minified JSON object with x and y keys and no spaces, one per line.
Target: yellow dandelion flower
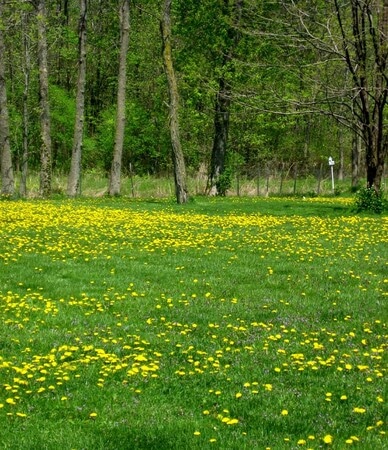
{"x":197,"y":433}
{"x":284,"y":412}
{"x":10,"y":401}
{"x":93,"y":415}
{"x":232,"y":422}
{"x":328,"y":439}
{"x":238,"y":395}
{"x":359,"y":410}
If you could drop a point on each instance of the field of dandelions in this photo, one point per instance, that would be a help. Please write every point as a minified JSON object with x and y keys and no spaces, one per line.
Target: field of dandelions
{"x":225,"y":324}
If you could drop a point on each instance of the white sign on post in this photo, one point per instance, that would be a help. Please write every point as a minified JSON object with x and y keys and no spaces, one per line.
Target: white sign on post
{"x":331,"y":164}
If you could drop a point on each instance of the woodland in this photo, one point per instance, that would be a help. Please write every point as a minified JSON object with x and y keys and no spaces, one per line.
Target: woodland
{"x":180,"y":86}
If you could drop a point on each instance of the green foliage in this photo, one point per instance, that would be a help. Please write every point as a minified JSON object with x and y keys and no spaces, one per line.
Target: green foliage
{"x":62,"y":125}
{"x":224,"y":181}
{"x":367,"y":199}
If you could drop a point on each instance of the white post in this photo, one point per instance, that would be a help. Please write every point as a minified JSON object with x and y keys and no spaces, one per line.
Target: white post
{"x":331,"y":164}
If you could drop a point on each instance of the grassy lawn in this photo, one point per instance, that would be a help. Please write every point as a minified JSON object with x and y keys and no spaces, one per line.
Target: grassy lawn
{"x":228,"y":323}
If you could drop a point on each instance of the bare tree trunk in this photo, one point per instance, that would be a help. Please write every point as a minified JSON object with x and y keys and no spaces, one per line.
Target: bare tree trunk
{"x":221,"y":130}
{"x":26,"y":72}
{"x":74,"y":181}
{"x":46,"y":150}
{"x":356,"y":159}
{"x":7,"y":177}
{"x":177,"y":154}
{"x":115,"y":174}
{"x":341,"y":156}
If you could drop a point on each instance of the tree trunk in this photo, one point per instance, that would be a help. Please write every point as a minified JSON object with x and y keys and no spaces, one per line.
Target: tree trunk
{"x":26,"y":73}
{"x":74,"y":181}
{"x":45,"y":124}
{"x":7,"y":177}
{"x":115,"y":174}
{"x":356,"y":159}
{"x":177,"y":154}
{"x":223,"y":102}
{"x":221,"y":130}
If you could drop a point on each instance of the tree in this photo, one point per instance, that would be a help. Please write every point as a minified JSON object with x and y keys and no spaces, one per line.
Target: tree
{"x":45,"y":122}
{"x":7,"y":177}
{"x":74,"y":181}
{"x":26,"y":76}
{"x":177,"y":153}
{"x":115,"y":174}
{"x":365,"y":52}
{"x":232,"y":10}
{"x":354,"y":34}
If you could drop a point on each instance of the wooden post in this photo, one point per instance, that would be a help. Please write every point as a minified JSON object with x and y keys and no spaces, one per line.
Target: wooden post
{"x":295,"y":176}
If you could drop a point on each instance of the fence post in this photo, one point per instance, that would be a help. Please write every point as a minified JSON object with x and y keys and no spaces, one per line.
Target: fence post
{"x":319,"y":179}
{"x":281,"y":179}
{"x":267,"y":181}
{"x":295,"y":176}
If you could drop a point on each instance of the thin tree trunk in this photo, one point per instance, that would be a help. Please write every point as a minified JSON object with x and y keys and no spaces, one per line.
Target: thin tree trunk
{"x":177,"y":154}
{"x":115,"y":174}
{"x":341,"y":165}
{"x":46,"y":150}
{"x":74,"y":181}
{"x":221,"y":130}
{"x":356,"y":159}
{"x":26,"y":72}
{"x":7,"y":177}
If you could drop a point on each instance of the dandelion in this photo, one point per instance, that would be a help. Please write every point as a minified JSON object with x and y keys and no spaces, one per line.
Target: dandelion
{"x":93,"y":415}
{"x":232,"y":422}
{"x":301,"y":442}
{"x":359,"y":410}
{"x":197,"y":433}
{"x":10,"y":401}
{"x":328,"y":439}
{"x":238,"y":395}
{"x":284,"y":412}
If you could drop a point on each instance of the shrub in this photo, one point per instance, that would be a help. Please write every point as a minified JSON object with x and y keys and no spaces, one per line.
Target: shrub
{"x":224,"y":182}
{"x":367,"y":199}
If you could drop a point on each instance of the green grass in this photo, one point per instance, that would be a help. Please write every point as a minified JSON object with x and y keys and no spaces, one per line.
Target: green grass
{"x":230,"y":323}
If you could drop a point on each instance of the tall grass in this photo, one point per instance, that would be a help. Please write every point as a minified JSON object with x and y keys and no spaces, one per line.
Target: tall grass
{"x":229,"y":323}
{"x":94,"y":184}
